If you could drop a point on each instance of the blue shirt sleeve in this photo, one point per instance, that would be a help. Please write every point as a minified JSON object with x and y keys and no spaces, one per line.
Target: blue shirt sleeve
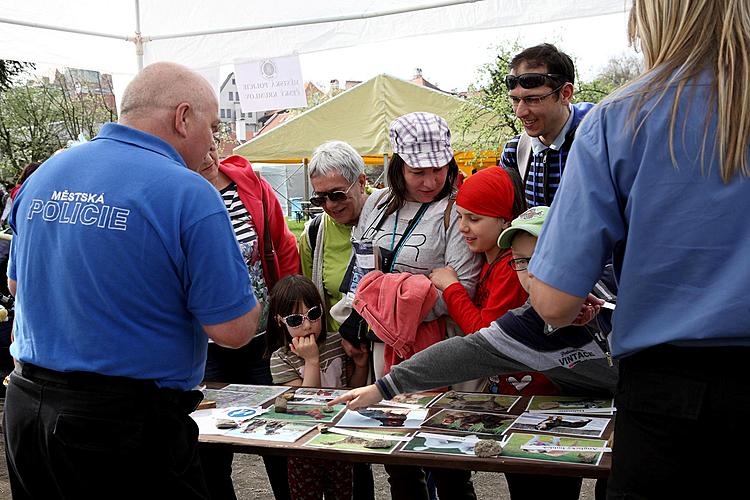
{"x":218,"y":284}
{"x":586,"y":221}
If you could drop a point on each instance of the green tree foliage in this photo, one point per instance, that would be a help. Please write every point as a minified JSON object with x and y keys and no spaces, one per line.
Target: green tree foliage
{"x":29,"y":128}
{"x":9,"y":70}
{"x":38,"y":117}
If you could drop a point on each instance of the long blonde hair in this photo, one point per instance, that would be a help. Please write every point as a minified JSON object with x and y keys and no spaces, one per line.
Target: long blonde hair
{"x":680,"y":39}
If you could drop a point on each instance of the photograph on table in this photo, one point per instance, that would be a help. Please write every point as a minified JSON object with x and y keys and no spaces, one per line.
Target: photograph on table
{"x":243,"y":395}
{"x":416,"y":399}
{"x":207,"y":419}
{"x":444,"y":444}
{"x":312,"y":394}
{"x":317,"y":413}
{"x":494,"y":424}
{"x":571,"y":404}
{"x":372,"y":441}
{"x":554,"y":448}
{"x":383,"y":417}
{"x":569,"y":425}
{"x":475,"y":402}
{"x":271,"y":430}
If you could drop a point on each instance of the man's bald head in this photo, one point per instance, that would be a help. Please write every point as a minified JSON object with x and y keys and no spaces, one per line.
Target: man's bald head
{"x":175,"y":104}
{"x":164,"y":85}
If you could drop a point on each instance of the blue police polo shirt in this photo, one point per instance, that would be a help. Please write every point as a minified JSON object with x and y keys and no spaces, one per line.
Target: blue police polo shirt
{"x":678,"y":235}
{"x":121,"y":253}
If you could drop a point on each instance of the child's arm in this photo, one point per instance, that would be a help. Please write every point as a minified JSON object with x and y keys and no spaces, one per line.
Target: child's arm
{"x":307,"y":349}
{"x":360,"y":355}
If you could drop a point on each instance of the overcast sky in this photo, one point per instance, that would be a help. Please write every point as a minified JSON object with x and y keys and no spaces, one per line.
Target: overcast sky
{"x":452,"y":61}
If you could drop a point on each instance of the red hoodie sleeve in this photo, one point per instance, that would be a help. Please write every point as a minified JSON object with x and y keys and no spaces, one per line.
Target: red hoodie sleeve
{"x":284,"y":241}
{"x":504,"y":292}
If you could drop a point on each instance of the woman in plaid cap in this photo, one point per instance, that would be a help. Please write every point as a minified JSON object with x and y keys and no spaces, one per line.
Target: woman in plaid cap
{"x":415,"y":229}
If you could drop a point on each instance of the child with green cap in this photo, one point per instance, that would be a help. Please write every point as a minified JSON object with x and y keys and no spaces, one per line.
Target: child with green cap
{"x":575,"y":358}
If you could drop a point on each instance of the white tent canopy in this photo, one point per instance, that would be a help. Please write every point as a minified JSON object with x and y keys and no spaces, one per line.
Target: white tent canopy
{"x":102,"y":36}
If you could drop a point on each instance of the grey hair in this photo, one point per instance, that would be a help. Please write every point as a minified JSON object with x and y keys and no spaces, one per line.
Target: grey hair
{"x":337,"y":157}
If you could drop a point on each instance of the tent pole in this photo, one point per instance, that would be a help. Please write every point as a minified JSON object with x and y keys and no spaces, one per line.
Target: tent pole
{"x":138,"y":38}
{"x":307,"y":179}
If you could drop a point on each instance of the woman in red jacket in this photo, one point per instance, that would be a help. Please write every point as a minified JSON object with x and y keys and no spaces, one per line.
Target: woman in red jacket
{"x":258,"y":222}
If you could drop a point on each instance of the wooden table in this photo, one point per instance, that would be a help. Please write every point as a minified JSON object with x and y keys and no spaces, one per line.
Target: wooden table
{"x":494,"y":464}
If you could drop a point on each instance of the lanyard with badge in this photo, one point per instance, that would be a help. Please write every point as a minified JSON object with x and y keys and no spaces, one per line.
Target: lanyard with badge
{"x":367,"y":257}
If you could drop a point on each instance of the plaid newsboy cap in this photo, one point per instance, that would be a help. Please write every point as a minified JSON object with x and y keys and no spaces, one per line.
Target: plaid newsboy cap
{"x":422,"y":140}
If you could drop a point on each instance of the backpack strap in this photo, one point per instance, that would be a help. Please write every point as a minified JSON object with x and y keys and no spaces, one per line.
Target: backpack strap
{"x":447,"y":213}
{"x":523,"y":155}
{"x":269,"y":257}
{"x":312,"y":234}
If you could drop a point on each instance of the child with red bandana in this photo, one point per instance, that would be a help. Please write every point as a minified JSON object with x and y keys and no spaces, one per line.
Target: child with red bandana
{"x":486,"y":203}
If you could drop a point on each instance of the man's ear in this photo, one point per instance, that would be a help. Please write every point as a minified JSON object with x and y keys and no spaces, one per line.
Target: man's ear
{"x":362,"y":182}
{"x":181,"y":116}
{"x":567,"y":93}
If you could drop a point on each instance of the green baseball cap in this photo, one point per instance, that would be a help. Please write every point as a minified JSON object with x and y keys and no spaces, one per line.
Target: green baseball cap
{"x":530,"y":221}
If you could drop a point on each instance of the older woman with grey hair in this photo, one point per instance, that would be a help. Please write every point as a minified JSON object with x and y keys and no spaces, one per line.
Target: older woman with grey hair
{"x":337,"y":175}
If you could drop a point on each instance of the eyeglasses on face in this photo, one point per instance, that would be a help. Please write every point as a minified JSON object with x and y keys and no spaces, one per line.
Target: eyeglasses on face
{"x":530,"y":80}
{"x":319,"y":199}
{"x":296,"y":320}
{"x":532,"y":100}
{"x":519,"y":264}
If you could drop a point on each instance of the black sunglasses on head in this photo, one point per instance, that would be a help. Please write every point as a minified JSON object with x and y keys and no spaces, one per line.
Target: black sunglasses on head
{"x":530,"y":80}
{"x":295,"y":320}
{"x":319,"y":199}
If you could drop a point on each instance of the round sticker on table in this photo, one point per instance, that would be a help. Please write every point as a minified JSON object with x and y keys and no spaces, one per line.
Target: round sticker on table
{"x":242,"y":413}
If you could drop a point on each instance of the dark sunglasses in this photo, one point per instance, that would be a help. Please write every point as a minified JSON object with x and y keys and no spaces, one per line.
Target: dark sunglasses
{"x":319,"y":199}
{"x":530,"y":80}
{"x":296,"y":320}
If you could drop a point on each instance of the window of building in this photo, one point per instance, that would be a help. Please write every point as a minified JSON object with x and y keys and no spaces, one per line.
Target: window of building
{"x":231,"y":96}
{"x":223,"y":113}
{"x":233,"y":82}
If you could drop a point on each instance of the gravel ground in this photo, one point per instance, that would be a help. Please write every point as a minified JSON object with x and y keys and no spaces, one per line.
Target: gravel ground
{"x":251,"y":482}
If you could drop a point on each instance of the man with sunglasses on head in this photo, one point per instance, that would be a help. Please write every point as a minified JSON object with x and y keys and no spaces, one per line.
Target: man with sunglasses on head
{"x":337,"y":175}
{"x":540,"y":88}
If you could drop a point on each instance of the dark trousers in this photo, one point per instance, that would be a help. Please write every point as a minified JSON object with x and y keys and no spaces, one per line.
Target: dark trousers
{"x":87,"y":436}
{"x":682,"y":423}
{"x":245,"y":365}
{"x":408,"y":483}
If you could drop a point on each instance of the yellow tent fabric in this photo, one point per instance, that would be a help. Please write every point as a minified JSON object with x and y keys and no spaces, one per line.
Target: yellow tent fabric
{"x":360,"y":116}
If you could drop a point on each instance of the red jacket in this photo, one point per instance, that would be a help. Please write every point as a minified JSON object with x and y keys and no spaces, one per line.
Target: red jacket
{"x":249,"y":187}
{"x":394,"y":306}
{"x":497,"y":293}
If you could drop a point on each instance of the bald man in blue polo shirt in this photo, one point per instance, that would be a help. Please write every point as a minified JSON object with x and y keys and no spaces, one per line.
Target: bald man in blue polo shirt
{"x":123,"y":263}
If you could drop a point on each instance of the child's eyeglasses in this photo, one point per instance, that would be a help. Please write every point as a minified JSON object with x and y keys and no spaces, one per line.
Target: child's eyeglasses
{"x":296,"y":320}
{"x":319,"y":199}
{"x":519,"y":264}
{"x":530,"y":80}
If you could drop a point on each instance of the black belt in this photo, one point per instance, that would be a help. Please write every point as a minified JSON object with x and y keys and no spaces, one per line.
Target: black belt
{"x":89,"y":381}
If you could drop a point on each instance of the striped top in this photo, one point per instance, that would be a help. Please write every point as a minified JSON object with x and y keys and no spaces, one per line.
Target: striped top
{"x":247,"y":237}
{"x":286,"y":366}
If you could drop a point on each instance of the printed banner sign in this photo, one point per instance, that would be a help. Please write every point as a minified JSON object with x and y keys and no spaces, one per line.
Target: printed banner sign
{"x":271,"y":83}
